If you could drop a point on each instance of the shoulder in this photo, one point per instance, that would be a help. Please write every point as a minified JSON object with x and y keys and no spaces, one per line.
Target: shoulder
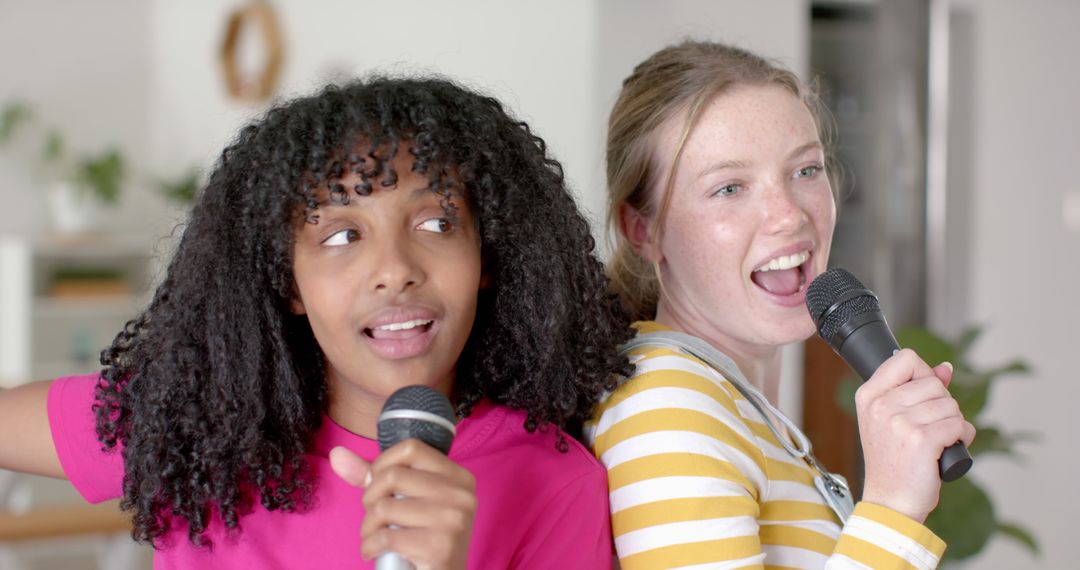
{"x":669,"y":379}
{"x":531,"y":496}
{"x":97,"y":474}
{"x":71,"y":398}
{"x":495,"y":431}
{"x":673,"y":403}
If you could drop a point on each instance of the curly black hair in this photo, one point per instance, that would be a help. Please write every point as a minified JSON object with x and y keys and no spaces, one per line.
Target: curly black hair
{"x":215,"y":390}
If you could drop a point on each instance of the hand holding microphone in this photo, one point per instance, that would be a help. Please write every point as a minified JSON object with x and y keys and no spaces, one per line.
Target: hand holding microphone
{"x":907,"y":418}
{"x":419,"y":505}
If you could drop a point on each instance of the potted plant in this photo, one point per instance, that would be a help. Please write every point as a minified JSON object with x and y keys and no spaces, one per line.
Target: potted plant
{"x":183,"y":189}
{"x":78,"y":185}
{"x":965,"y":517}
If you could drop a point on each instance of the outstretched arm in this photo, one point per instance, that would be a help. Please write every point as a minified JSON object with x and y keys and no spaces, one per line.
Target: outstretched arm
{"x":26,"y":442}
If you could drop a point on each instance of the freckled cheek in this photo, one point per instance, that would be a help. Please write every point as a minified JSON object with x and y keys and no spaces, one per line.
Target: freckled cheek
{"x":703,"y":250}
{"x":820,"y":205}
{"x":823,"y":217}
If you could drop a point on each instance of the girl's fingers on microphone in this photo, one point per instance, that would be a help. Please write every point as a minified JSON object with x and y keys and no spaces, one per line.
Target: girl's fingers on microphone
{"x":932,"y":411}
{"x":416,"y":513}
{"x":404,"y":481}
{"x":944,"y":372}
{"x":349,"y":466}
{"x":418,"y":455}
{"x":897,"y":370}
{"x":947,"y":431}
{"x":969,"y":433}
{"x":919,"y":390}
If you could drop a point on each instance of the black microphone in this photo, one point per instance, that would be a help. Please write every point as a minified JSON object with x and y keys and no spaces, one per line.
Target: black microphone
{"x":416,"y":412}
{"x":849,"y":318}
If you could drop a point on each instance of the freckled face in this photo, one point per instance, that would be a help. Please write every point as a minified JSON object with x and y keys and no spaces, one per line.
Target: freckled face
{"x":389,"y":284}
{"x":750,"y":220}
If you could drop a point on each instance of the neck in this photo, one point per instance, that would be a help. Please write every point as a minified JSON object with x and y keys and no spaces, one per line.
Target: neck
{"x":355,"y":407}
{"x":759,"y":363}
{"x":355,"y":410}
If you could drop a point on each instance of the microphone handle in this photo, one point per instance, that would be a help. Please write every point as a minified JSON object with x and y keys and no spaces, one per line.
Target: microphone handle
{"x":876,"y":344}
{"x":392,"y":561}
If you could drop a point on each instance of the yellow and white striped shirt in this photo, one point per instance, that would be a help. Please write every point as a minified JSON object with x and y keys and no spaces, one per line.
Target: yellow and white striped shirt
{"x":697,"y":480}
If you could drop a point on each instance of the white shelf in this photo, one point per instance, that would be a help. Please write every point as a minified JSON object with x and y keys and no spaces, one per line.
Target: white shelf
{"x":44,"y":337}
{"x":89,"y":307}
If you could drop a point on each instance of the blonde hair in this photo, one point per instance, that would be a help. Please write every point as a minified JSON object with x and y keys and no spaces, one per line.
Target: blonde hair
{"x":679,"y":79}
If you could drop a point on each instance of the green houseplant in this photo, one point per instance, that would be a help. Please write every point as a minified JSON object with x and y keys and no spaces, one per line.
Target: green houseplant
{"x":78,"y":184}
{"x":965,"y":517}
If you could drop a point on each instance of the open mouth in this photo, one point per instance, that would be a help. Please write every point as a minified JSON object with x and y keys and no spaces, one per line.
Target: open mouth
{"x":399,"y":331}
{"x":784,"y":275}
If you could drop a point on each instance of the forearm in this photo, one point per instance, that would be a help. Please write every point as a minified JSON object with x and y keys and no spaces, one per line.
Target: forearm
{"x":26,"y":442}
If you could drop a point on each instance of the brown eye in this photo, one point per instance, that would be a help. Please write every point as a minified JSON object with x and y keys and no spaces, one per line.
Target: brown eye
{"x":436,"y":225}
{"x":343,"y":237}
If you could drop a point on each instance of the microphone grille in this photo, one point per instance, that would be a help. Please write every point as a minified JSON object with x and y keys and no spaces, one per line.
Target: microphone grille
{"x":827,"y":290}
{"x":420,"y":399}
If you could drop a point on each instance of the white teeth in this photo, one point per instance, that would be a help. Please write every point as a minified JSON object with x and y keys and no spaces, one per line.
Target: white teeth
{"x":405,"y":325}
{"x":785,"y":261}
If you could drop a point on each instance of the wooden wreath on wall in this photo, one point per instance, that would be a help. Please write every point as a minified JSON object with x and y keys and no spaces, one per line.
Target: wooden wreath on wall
{"x":258,"y":18}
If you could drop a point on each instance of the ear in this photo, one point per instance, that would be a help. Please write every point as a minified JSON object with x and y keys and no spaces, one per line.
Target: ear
{"x":296,"y":305}
{"x":637,"y":229}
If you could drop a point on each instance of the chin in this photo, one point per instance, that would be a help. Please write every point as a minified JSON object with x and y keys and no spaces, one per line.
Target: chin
{"x":796,"y":332}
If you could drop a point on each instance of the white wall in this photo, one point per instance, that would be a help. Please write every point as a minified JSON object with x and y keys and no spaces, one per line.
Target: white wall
{"x":1024,"y":262}
{"x":537,"y":57}
{"x":83,"y":66}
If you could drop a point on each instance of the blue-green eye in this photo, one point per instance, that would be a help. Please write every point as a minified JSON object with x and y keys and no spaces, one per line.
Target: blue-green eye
{"x":727,"y":191}
{"x":343,"y":237}
{"x":808,"y":171}
{"x":436,"y":225}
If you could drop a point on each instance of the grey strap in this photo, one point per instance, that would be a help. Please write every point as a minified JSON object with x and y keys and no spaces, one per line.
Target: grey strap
{"x":723,"y":364}
{"x":833,"y":488}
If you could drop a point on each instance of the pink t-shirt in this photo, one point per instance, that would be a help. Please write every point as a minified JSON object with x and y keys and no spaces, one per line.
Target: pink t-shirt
{"x":536,"y":507}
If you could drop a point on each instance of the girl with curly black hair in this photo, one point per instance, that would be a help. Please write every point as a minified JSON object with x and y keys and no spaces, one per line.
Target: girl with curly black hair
{"x":387,"y":232}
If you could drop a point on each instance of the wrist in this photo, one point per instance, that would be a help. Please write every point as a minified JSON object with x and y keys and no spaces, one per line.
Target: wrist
{"x":916,"y":514}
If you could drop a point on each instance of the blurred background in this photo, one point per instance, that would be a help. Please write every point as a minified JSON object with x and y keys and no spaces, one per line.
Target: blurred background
{"x":957,"y":128}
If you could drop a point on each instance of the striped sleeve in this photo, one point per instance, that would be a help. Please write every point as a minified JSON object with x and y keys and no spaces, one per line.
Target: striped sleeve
{"x":696,"y":481}
{"x":684,"y":473}
{"x":881,"y":538}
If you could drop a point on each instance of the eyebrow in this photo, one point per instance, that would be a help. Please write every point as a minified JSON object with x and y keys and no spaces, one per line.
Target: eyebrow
{"x":812,"y":145}
{"x":725,"y":164}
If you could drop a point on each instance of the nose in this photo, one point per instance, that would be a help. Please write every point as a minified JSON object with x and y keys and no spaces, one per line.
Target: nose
{"x":395,"y":267}
{"x":783,"y":213}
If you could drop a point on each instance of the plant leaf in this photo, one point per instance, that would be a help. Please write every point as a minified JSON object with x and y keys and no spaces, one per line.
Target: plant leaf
{"x":990,"y":440}
{"x":1020,"y":535}
{"x":15,"y":114}
{"x":964,"y":519}
{"x":845,"y":394}
{"x":1014,"y":367}
{"x":971,"y":390}
{"x":54,"y":146}
{"x":103,"y":175}
{"x":182,"y":190}
{"x":967,"y":338}
{"x":931,"y":347}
